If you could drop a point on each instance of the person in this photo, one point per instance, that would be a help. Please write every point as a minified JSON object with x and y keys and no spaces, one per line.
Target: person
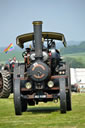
{"x":12,"y":64}
{"x":7,"y":65}
{"x":8,"y":62}
{"x":14,"y":60}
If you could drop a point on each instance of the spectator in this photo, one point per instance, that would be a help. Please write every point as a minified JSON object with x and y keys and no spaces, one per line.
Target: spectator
{"x":14,"y":60}
{"x":7,"y":65}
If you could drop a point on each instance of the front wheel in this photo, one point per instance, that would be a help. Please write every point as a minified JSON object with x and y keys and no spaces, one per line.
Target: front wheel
{"x":68,"y":95}
{"x":23,"y":104}
{"x":62,"y":95}
{"x":17,"y":97}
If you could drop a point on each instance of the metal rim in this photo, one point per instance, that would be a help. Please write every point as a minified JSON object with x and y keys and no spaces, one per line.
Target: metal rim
{"x":68,"y":95}
{"x":17,"y":97}
{"x":62,"y":95}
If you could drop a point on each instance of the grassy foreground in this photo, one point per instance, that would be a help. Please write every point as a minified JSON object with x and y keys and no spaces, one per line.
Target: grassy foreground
{"x":44,"y":115}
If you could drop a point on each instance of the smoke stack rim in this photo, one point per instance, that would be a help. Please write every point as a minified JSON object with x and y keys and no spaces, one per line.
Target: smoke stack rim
{"x":37,"y":22}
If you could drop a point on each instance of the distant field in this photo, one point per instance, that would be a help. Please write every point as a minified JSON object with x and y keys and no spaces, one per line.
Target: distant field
{"x":82,"y":55}
{"x":4,"y":57}
{"x":44,"y":115}
{"x":78,"y":57}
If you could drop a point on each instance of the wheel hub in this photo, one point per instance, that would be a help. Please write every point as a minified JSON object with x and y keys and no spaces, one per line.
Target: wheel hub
{"x":39,"y":71}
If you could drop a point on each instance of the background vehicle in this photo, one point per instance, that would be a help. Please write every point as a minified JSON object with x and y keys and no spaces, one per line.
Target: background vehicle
{"x":6,"y":79}
{"x":5,"y":83}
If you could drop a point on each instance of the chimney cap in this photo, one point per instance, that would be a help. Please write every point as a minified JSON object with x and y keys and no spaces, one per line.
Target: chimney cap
{"x":37,"y":22}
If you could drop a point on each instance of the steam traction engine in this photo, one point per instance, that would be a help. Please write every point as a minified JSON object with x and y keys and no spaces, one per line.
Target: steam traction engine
{"x":43,"y":76}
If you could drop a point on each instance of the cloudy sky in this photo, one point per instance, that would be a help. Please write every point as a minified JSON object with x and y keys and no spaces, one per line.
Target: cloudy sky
{"x":63,"y":16}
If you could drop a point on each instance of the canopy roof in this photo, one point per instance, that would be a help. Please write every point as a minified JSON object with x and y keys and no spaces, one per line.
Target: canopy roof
{"x":20,"y":40}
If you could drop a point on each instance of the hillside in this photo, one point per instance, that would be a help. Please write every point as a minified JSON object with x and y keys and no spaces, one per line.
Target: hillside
{"x":76,"y":60}
{"x":16,"y":52}
{"x":4,"y":57}
{"x":74,"y":55}
{"x":59,"y":44}
{"x":74,"y":49}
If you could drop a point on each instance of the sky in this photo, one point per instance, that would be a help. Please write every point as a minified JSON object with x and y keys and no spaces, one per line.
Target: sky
{"x":63,"y":16}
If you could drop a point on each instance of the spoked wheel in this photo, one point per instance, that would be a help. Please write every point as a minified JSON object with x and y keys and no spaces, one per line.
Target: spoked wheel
{"x":62,"y":95}
{"x":68,"y":95}
{"x":17,"y":97}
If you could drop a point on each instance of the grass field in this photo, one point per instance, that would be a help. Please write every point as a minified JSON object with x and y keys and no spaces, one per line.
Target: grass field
{"x":44,"y":115}
{"x":76,"y":55}
{"x":76,"y":60}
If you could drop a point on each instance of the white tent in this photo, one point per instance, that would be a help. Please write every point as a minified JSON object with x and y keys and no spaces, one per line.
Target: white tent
{"x":78,"y":77}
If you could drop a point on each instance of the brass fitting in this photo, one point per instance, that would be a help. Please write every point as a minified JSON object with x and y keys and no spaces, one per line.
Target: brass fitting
{"x":37,"y":22}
